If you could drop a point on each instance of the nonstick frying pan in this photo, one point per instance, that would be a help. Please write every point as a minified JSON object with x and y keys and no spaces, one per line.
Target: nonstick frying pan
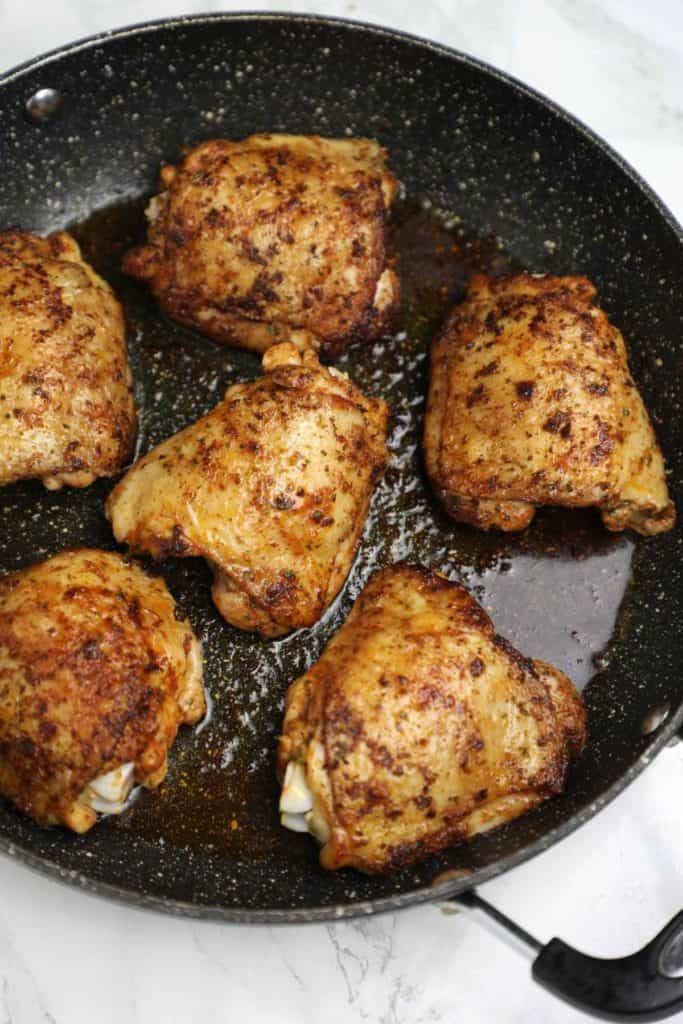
{"x":495,"y":177}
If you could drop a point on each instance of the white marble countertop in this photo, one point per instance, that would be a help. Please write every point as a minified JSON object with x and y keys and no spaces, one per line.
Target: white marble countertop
{"x":67,"y":958}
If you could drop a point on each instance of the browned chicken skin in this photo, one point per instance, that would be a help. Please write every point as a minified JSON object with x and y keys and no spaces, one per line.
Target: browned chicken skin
{"x":66,"y":404}
{"x":419,"y":727}
{"x":531,"y":402}
{"x":272,"y":487}
{"x":274,"y":237}
{"x":96,"y":674}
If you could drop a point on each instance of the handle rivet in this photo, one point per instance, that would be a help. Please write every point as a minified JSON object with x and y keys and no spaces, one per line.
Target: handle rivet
{"x":450,"y":876}
{"x":43,"y":105}
{"x":654,"y":718}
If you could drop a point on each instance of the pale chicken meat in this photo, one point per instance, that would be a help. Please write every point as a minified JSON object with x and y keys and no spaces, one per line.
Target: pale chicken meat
{"x":67,"y":414}
{"x":272,"y":487}
{"x":273,"y":237}
{"x":531,"y":402}
{"x":419,"y":727}
{"x":97,"y":671}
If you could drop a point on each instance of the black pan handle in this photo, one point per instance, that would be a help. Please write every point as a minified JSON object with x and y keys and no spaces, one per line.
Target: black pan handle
{"x":645,"y":986}
{"x":648,"y":985}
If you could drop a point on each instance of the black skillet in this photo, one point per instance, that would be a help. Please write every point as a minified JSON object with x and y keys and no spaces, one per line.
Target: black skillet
{"x":495,"y":177}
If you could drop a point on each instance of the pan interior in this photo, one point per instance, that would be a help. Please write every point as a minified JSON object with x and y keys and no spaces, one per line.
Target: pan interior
{"x":494,"y":181}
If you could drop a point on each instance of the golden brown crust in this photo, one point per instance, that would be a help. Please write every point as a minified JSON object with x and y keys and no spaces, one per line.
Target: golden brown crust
{"x":419,"y":726}
{"x":272,"y":487}
{"x":271,"y":238}
{"x":66,"y":404}
{"x":96,"y":670}
{"x":531,"y":403}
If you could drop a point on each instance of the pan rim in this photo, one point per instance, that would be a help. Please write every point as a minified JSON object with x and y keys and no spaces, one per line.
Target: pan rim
{"x":434,"y":893}
{"x":157,"y":24}
{"x":449,"y":888}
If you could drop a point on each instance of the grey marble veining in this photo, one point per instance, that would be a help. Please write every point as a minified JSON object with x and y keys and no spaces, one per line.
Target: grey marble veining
{"x":66,"y":958}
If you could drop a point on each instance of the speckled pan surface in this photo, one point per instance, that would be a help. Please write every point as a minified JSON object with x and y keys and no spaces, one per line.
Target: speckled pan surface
{"x":514,"y":183}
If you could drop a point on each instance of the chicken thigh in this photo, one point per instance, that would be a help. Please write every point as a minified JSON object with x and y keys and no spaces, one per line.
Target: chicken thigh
{"x":272,"y":487}
{"x":273,"y":237}
{"x":531,"y":402}
{"x":419,"y":727}
{"x":66,"y":403}
{"x":97,"y":671}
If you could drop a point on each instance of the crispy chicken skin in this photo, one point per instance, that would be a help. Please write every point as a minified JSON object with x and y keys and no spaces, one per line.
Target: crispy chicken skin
{"x":531,"y":402}
{"x":273,"y":237}
{"x":97,"y":671}
{"x":66,"y":403}
{"x":419,"y":727}
{"x":272,"y":487}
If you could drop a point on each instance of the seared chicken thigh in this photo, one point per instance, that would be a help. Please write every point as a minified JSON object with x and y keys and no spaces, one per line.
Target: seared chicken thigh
{"x":419,"y":727}
{"x":97,"y":671}
{"x":272,"y":487}
{"x":273,"y":237}
{"x":531,"y":402}
{"x":66,"y":404}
